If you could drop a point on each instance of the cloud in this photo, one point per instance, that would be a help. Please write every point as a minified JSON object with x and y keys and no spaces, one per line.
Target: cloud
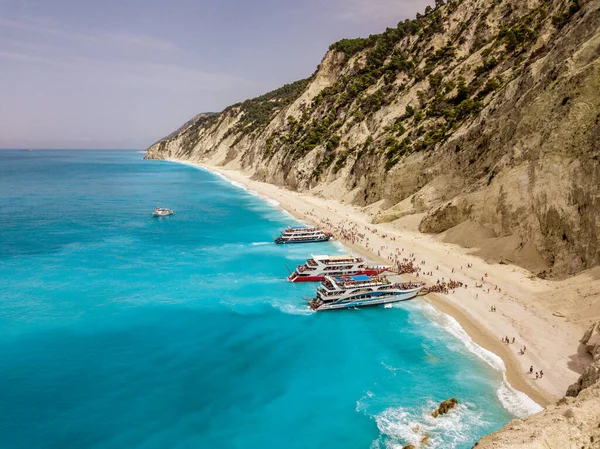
{"x":50,"y":28}
{"x":24,"y":57}
{"x":137,"y":74}
{"x":141,"y":40}
{"x":110,"y":57}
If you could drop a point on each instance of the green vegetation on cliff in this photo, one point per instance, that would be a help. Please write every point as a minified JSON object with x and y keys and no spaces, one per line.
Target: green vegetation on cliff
{"x":259,"y":111}
{"x":447,"y":107}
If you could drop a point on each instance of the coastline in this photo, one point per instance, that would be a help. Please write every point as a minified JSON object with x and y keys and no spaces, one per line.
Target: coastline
{"x":551,"y":341}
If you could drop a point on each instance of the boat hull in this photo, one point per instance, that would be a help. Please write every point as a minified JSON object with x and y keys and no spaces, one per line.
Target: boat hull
{"x":280,"y":241}
{"x":321,"y":278}
{"x":388,"y":299}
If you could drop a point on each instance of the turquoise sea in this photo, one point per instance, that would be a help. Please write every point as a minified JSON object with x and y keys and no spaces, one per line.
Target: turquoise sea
{"x":119,"y":330}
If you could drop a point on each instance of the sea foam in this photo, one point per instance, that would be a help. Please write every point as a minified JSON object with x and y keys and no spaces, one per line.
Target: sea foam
{"x":400,"y":426}
{"x":516,"y":402}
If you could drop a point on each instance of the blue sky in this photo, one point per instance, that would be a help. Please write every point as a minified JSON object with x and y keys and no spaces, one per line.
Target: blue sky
{"x":123,"y":73}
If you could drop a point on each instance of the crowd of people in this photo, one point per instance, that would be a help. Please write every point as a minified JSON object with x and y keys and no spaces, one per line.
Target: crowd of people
{"x":403,"y":263}
{"x":444,"y":287}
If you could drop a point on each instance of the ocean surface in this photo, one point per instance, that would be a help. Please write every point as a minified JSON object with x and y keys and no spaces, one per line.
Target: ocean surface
{"x":119,"y":330}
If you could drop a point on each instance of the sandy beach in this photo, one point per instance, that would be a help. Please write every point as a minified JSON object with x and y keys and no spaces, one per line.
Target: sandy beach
{"x":551,"y":341}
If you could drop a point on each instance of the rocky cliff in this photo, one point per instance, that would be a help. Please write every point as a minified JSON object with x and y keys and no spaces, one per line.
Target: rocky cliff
{"x":574,"y":422}
{"x":478,"y":111}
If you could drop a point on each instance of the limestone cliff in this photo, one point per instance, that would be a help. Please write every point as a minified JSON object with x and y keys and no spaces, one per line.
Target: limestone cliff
{"x":574,"y":422}
{"x":478,"y":111}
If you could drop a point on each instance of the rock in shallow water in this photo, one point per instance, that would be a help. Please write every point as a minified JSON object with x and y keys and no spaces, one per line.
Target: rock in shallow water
{"x":445,"y":407}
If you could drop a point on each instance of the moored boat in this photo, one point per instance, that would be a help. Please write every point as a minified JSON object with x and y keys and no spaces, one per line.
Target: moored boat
{"x":302,"y":235}
{"x":161,"y":212}
{"x":342,"y":292}
{"x":317,"y":267}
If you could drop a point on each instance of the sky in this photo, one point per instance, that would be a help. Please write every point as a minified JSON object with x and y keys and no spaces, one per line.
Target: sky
{"x":120,"y":74}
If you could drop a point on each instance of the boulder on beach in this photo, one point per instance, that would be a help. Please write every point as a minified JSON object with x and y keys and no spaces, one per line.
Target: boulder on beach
{"x":445,"y":407}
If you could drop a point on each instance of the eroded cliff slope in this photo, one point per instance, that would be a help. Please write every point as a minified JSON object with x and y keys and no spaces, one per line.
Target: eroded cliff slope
{"x":479,"y":112}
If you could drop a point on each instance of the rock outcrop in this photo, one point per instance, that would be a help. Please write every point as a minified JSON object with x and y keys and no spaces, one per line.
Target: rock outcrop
{"x":591,"y":340}
{"x":591,"y":375}
{"x":480,"y":111}
{"x":574,"y":422}
{"x":444,"y":407}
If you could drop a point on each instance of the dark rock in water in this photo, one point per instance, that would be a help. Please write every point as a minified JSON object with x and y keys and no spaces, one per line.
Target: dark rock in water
{"x":445,"y":407}
{"x":410,"y":446}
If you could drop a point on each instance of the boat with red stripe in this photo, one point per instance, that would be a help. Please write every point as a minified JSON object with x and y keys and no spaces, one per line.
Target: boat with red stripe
{"x":317,"y":267}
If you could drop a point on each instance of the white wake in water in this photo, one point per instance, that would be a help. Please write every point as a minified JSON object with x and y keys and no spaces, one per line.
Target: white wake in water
{"x":293,"y":309}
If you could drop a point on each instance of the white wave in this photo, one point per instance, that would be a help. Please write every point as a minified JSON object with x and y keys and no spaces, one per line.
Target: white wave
{"x":515,"y":402}
{"x":398,"y":426}
{"x":236,"y":184}
{"x":339,"y":245}
{"x":293,"y":309}
{"x":239,"y":185}
{"x":272,"y":202}
{"x":261,"y":243}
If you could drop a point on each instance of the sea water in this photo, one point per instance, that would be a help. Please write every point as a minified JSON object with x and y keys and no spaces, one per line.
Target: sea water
{"x":120,"y":330}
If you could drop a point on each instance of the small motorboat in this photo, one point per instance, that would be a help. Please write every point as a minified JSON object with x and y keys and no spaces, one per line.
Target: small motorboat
{"x":161,"y":212}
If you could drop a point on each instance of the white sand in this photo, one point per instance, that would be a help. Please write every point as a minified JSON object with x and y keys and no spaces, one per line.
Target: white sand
{"x":552,"y":342}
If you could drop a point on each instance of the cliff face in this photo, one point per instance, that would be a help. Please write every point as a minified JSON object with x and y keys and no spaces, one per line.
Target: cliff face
{"x":477,"y":112}
{"x":574,"y":422}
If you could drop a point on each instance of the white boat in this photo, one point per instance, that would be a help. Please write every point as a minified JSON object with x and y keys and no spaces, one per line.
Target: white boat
{"x":317,"y":267}
{"x":161,"y":212}
{"x":302,"y":235}
{"x":343,"y":292}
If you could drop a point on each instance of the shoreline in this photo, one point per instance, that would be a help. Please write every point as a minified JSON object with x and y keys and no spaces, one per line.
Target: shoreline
{"x":472,"y":314}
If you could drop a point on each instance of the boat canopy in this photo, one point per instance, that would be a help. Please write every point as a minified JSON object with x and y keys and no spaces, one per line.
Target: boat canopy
{"x":334,"y":258}
{"x":360,"y":278}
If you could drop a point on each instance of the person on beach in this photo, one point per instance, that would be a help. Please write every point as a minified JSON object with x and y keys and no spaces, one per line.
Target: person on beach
{"x":531,"y":369}
{"x":513,"y":339}
{"x":537,"y":375}
{"x":541,"y":374}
